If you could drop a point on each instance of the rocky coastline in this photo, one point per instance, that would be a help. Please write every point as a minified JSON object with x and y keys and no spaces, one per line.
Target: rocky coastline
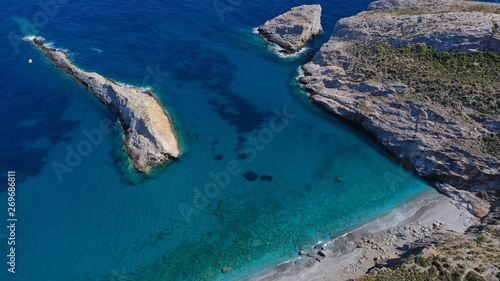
{"x":437,"y":142}
{"x":440,"y":233}
{"x":450,"y":139}
{"x":150,"y":136}
{"x":293,"y":29}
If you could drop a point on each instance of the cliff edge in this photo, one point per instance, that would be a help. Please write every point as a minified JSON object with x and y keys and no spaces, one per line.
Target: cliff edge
{"x":422,"y":77}
{"x":150,"y":137}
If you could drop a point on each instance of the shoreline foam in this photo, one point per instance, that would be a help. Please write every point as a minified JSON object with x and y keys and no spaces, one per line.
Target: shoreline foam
{"x":342,"y":260}
{"x":277,"y":50}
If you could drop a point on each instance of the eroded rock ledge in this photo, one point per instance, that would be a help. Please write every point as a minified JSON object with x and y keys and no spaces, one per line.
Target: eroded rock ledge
{"x":293,"y":29}
{"x":150,"y":137}
{"x":436,"y":140}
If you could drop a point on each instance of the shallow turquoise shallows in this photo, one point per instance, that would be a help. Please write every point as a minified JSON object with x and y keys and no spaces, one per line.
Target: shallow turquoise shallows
{"x":265,"y":173}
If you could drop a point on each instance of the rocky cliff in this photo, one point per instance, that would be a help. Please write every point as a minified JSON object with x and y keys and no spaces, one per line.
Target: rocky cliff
{"x":150,"y":137}
{"x":397,"y":71}
{"x":293,"y":29}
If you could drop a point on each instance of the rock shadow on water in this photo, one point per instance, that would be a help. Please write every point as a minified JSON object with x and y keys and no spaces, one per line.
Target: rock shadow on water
{"x":243,"y":155}
{"x":214,"y":143}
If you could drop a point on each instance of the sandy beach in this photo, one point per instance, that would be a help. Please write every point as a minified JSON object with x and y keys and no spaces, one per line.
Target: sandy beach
{"x":352,"y":255}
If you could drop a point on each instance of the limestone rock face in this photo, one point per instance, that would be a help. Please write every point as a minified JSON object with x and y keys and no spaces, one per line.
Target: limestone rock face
{"x":476,"y":206}
{"x":293,"y":29}
{"x":473,"y":33}
{"x":423,"y":135}
{"x":150,"y":137}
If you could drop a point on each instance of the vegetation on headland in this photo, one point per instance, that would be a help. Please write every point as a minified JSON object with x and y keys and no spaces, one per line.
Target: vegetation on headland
{"x":450,"y":79}
{"x":454,"y":81}
{"x":492,"y":144}
{"x":461,"y":7}
{"x":467,"y":257}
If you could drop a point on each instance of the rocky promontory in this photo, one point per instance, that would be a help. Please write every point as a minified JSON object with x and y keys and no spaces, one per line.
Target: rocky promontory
{"x":150,"y":137}
{"x":422,"y":77}
{"x":293,"y":29}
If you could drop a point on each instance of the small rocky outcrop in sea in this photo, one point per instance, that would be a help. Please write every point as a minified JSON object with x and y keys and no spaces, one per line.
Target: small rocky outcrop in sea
{"x":293,"y":29}
{"x":150,"y":137}
{"x":366,"y":73}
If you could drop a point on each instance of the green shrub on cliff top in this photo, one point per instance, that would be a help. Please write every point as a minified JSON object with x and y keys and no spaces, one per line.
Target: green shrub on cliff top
{"x":481,"y":238}
{"x":413,"y":274}
{"x":423,"y":262}
{"x":472,"y":276}
{"x":450,"y":79}
{"x":492,"y":144}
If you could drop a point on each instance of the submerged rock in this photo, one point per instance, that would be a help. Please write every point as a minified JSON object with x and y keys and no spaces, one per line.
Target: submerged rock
{"x":243,"y":156}
{"x":293,"y":29}
{"x":150,"y":137}
{"x":251,"y":176}
{"x":256,"y":243}
{"x":266,"y":178}
{"x":225,"y":269}
{"x":209,"y":272}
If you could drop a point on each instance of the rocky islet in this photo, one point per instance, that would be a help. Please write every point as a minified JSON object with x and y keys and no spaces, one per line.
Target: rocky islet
{"x":293,"y":29}
{"x":150,"y":136}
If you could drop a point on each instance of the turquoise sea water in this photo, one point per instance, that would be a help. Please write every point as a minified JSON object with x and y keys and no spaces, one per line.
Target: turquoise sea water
{"x":316,"y":176}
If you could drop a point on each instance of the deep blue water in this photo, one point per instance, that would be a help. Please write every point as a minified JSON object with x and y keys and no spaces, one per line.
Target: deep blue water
{"x":223,"y":86}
